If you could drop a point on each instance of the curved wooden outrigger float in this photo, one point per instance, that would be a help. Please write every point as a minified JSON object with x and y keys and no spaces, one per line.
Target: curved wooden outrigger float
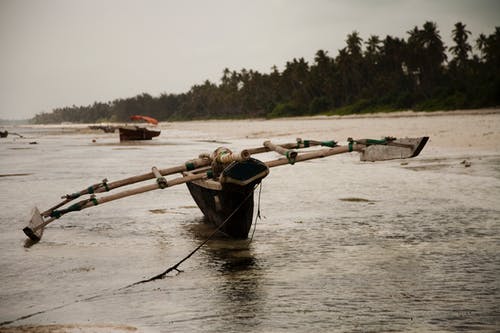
{"x":222,"y":183}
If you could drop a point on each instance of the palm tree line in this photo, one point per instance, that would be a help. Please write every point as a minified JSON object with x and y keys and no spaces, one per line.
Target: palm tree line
{"x":365,"y":76}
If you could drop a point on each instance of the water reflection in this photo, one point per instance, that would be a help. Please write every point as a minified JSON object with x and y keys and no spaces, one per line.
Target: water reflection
{"x":240,"y":285}
{"x":238,"y":294}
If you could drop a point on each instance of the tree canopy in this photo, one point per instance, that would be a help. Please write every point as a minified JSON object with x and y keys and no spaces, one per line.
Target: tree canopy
{"x":388,"y":74}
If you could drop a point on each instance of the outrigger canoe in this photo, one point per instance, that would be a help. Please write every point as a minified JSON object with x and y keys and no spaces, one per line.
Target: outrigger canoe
{"x":6,"y":133}
{"x":222,"y":183}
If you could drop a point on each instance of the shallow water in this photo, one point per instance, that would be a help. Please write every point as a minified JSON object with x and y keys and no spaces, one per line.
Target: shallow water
{"x":342,"y":246}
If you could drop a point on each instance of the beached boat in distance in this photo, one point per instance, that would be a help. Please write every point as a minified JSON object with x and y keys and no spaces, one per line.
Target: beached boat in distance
{"x":104,"y":128}
{"x":4,"y":134}
{"x":129,"y":133}
{"x":222,"y":183}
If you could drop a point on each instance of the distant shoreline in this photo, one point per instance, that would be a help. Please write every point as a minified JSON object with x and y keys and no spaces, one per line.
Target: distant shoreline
{"x":411,"y":113}
{"x":390,"y":114}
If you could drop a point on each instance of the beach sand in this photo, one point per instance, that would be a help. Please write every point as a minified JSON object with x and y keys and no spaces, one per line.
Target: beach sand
{"x":469,"y":129}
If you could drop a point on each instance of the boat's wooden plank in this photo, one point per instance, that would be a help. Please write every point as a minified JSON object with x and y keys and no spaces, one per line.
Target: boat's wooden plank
{"x":208,"y":183}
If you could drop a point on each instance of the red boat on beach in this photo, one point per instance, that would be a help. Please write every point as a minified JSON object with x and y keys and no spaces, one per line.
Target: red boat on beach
{"x":130,"y":133}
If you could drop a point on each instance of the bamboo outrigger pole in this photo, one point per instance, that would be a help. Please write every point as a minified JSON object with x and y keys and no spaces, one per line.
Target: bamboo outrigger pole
{"x":315,"y":154}
{"x":34,"y":232}
{"x":39,"y":220}
{"x":371,"y":150}
{"x":104,"y":186}
{"x":296,"y":145}
{"x":290,"y":154}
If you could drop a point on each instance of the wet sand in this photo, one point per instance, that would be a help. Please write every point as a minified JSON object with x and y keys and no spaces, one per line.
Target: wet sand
{"x":345,"y":246}
{"x":72,"y":328}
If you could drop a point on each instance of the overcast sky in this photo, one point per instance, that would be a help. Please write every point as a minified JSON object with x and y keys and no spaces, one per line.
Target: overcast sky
{"x":56,"y":53}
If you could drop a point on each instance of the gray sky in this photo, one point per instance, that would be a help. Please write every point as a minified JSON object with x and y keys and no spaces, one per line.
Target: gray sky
{"x":56,"y":53}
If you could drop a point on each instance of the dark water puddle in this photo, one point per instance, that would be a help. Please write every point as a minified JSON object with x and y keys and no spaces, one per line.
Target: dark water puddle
{"x":136,"y":145}
{"x":188,"y":207}
{"x":353,"y":199}
{"x":165,"y":211}
{"x":70,"y":328}
{"x":214,"y":141}
{"x":15,"y":174}
{"x":429,"y":167}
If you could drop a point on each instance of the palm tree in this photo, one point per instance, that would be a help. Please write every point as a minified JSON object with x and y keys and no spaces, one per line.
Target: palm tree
{"x":373,"y":46}
{"x":490,"y":47}
{"x":426,"y":55}
{"x":462,"y":48}
{"x":321,"y":73}
{"x":354,"y":43}
{"x":296,"y":82}
{"x":346,"y":83}
{"x":481,"y":43}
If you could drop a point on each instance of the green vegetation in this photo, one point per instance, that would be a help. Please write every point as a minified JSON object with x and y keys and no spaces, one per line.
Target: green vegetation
{"x":388,"y":74}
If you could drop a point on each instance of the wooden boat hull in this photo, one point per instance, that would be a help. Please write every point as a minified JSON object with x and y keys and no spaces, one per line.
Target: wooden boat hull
{"x":217,"y":206}
{"x":230,"y":205}
{"x":137,"y":133}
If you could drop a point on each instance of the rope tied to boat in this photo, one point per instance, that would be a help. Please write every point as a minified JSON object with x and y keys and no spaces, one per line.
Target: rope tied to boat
{"x":74,"y":207}
{"x":190,"y":166}
{"x":376,"y":142}
{"x":309,"y":143}
{"x":369,"y":142}
{"x":350,"y":144}
{"x":71,"y":196}
{"x":219,"y":163}
{"x":220,"y":153}
{"x":90,"y":190}
{"x":302,"y":143}
{"x":330,"y":143}
{"x":258,"y":215}
{"x":104,"y":184}
{"x":176,"y":266}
